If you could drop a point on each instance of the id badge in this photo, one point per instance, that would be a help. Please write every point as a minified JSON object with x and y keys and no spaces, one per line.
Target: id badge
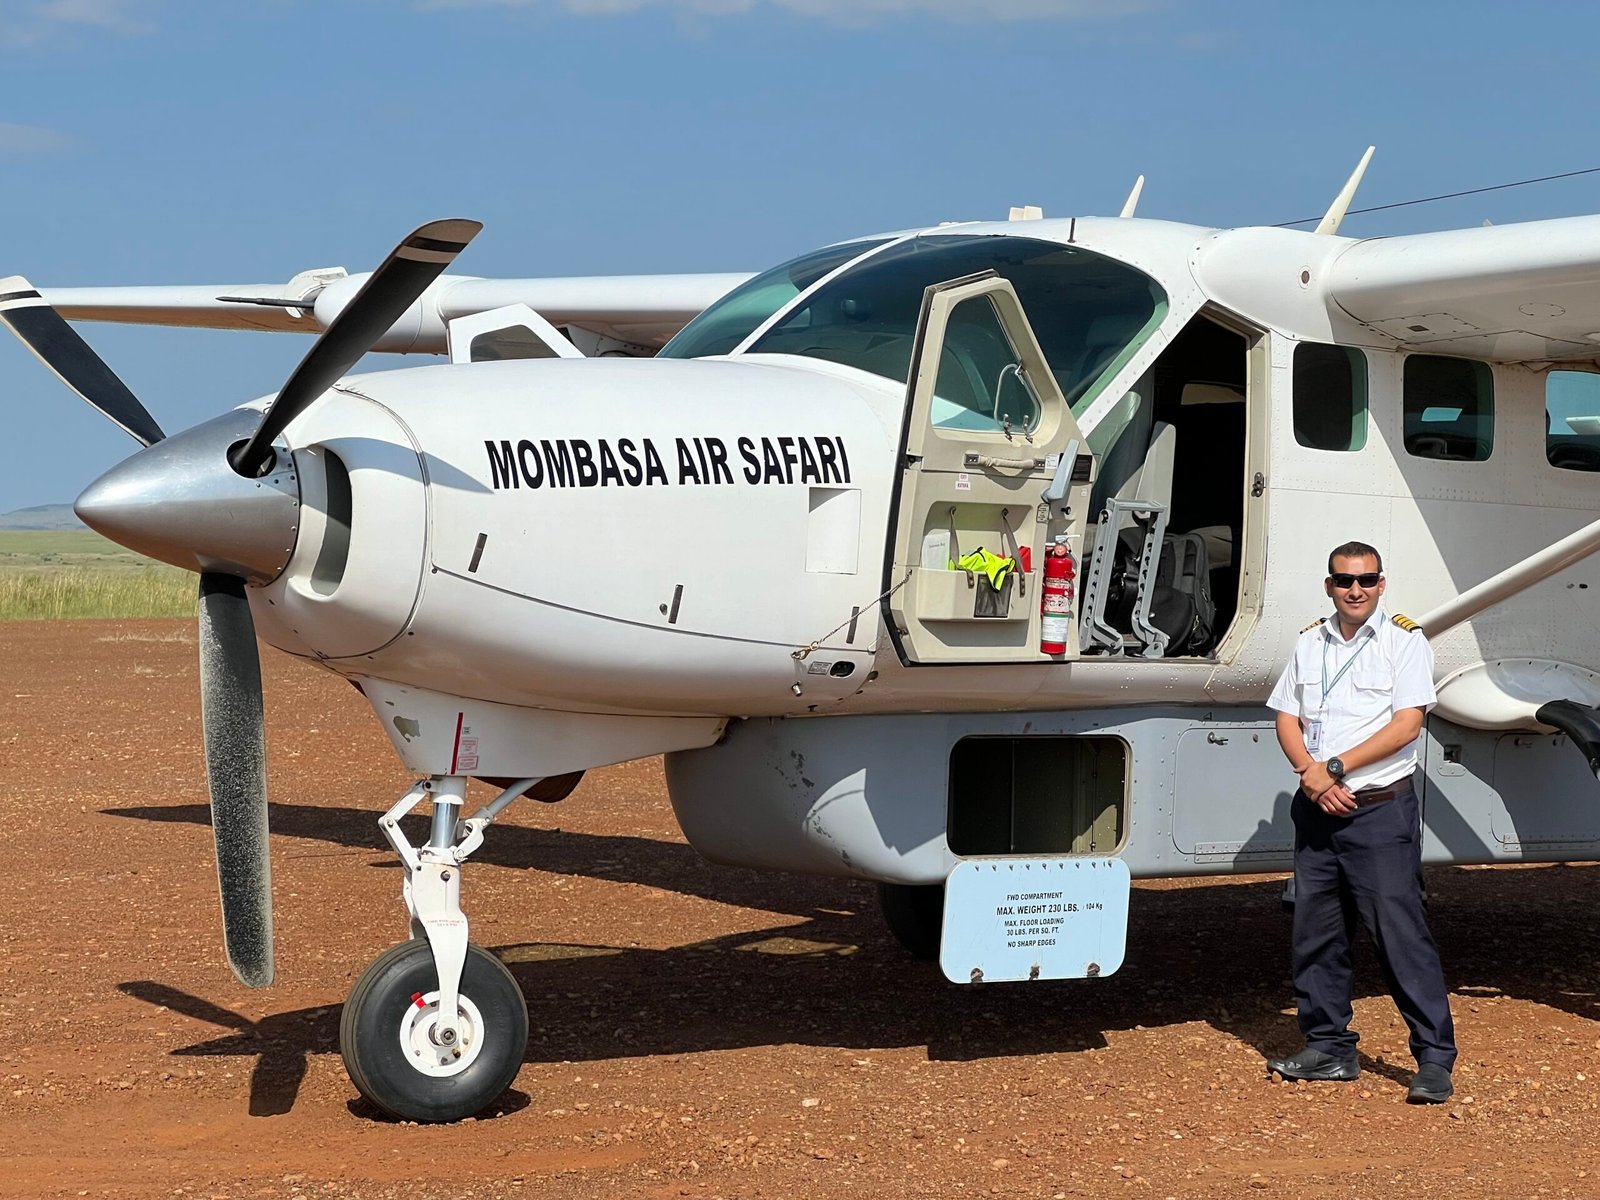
{"x":1313,"y":737}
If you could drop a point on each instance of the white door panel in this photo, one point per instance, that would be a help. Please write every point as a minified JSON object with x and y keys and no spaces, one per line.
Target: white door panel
{"x":987,"y":428}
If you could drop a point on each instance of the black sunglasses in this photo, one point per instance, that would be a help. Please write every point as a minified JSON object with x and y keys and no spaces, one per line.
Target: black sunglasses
{"x":1343,"y":579}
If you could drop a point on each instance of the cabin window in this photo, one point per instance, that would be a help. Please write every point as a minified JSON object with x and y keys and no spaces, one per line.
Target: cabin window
{"x":740,"y":313}
{"x":1088,"y":312}
{"x":1572,"y":420}
{"x":1449,"y":408}
{"x":1330,"y":397}
{"x":981,"y":385}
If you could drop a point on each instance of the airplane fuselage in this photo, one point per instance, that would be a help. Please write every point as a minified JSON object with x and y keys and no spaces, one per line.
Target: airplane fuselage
{"x":582,"y":561}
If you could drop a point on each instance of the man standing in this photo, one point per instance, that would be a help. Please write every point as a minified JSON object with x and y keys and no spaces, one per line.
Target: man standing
{"x":1350,"y":706}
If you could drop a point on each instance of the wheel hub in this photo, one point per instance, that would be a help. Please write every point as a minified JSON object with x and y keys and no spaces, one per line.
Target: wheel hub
{"x":440,"y":1052}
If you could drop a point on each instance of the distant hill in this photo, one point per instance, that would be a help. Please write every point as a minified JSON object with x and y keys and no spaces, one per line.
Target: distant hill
{"x":48,"y":517}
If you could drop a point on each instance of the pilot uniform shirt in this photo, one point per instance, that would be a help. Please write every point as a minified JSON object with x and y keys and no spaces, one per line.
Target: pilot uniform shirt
{"x":1369,"y":678}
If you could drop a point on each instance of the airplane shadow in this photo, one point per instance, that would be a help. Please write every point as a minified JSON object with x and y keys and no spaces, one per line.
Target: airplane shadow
{"x":839,"y":980}
{"x":671,"y":866}
{"x":281,"y":1042}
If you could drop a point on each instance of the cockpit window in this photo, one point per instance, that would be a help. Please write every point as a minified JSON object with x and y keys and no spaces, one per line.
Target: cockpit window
{"x":738,"y":314}
{"x":1088,"y":311}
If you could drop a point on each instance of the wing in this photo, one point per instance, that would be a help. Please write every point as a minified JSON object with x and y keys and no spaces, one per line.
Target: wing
{"x":275,"y":307}
{"x":272,"y":307}
{"x":639,"y":311}
{"x":1527,"y":293}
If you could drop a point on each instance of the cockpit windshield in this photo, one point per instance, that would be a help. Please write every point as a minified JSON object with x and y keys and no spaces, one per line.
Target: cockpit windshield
{"x":740,"y":313}
{"x":1089,"y":312}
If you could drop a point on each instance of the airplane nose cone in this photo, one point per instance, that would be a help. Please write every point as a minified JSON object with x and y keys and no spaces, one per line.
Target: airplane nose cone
{"x":180,"y":502}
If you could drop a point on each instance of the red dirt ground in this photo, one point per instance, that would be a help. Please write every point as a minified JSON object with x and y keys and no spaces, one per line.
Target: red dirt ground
{"x":697,"y":1031}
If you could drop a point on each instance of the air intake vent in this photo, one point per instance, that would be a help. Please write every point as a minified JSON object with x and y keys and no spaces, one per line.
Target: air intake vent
{"x":335,"y":550}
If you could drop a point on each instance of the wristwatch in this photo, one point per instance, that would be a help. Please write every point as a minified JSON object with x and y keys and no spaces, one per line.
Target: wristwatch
{"x":1335,"y":767}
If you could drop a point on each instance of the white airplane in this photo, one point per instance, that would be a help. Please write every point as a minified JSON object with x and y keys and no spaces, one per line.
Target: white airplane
{"x":959,"y":559}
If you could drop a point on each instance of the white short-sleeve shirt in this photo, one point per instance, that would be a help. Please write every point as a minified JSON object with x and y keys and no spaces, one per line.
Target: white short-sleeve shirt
{"x":1385,"y":669}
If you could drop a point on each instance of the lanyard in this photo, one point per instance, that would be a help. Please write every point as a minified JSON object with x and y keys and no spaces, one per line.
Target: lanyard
{"x":1327,"y":684}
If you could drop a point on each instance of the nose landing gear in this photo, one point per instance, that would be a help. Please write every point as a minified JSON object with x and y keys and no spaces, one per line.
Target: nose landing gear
{"x":401,"y":1058}
{"x":436,"y":1028}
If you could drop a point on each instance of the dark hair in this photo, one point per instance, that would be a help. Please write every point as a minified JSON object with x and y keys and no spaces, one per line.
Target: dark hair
{"x":1354,"y":550}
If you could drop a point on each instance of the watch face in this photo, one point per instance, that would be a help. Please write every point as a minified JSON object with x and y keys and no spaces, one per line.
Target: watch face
{"x":1335,"y":767}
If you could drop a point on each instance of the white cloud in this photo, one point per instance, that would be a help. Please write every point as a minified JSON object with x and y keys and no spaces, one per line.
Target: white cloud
{"x":32,"y":23}
{"x":852,"y":12}
{"x":17,"y":140}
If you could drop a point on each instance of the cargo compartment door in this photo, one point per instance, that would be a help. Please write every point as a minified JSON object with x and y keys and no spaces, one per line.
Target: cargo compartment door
{"x":993,"y":460}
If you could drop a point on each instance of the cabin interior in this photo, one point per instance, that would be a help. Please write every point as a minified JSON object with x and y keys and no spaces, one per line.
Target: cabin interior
{"x":1177,"y":439}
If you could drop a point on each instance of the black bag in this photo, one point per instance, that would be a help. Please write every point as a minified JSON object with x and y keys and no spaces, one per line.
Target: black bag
{"x":1180,"y":594}
{"x":1185,"y":568}
{"x":990,"y":602}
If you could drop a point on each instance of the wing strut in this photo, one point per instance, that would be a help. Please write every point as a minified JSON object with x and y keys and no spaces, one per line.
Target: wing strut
{"x":1540,"y":565}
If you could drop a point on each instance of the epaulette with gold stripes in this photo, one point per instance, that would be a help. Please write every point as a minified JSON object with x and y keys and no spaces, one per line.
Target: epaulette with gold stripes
{"x":1314,"y":624}
{"x":1405,"y":623}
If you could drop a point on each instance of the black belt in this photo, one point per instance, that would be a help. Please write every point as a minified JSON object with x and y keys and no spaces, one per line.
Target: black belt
{"x":1378,"y":795}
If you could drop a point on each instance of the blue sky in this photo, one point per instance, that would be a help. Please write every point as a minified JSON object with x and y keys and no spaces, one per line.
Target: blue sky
{"x":159,"y":141}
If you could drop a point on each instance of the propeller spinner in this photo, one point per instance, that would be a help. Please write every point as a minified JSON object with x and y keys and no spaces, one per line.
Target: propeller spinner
{"x":179,"y":500}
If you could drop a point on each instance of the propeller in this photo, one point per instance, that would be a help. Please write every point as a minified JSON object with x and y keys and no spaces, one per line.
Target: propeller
{"x":236,"y":772}
{"x":151,"y":499}
{"x":392,"y":288}
{"x":41,"y":329}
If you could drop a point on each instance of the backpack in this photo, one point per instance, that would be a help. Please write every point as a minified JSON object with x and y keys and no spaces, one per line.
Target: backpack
{"x":1185,"y":567}
{"x":1180,"y":595}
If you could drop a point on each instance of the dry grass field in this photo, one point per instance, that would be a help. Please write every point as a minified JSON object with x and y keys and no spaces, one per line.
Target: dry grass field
{"x":51,"y":575}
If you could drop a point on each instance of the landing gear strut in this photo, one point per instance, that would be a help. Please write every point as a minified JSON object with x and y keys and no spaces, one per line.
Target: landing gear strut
{"x":436,"y":1028}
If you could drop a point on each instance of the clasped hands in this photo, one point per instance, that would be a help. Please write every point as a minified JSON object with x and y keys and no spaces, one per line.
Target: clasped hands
{"x":1326,"y":792}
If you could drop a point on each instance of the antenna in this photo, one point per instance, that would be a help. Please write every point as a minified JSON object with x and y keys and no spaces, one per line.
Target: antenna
{"x":1132,"y":202}
{"x":1341,"y":202}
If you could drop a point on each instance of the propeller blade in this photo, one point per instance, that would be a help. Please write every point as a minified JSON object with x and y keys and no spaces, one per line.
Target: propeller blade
{"x":236,"y":769}
{"x":43,"y":330}
{"x":394,"y":287}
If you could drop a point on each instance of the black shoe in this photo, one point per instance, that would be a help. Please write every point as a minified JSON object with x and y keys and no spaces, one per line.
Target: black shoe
{"x":1316,"y":1066}
{"x":1430,"y":1085}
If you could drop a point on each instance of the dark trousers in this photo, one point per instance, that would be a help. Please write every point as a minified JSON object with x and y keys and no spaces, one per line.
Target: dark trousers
{"x":1366,"y":865}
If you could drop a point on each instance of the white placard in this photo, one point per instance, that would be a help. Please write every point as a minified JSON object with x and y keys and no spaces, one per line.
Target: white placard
{"x":1034,"y":918}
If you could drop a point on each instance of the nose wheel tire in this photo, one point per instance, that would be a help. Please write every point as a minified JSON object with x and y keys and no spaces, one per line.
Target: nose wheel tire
{"x":392,"y":1044}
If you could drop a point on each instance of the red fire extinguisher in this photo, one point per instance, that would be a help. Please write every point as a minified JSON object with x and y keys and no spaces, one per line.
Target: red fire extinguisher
{"x":1055,"y":601}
